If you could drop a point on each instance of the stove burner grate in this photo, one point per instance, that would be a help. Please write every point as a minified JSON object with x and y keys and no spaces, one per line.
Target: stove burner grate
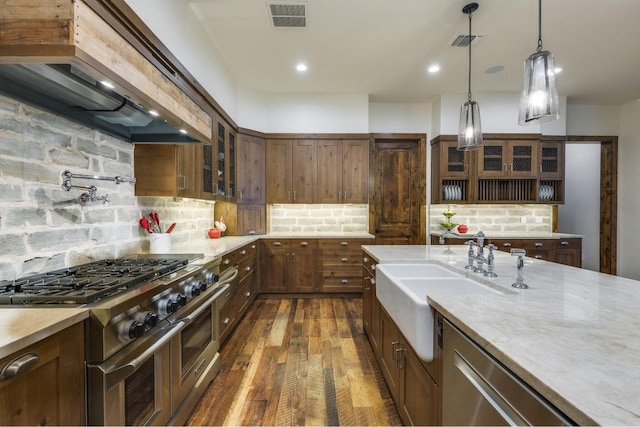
{"x":86,"y":283}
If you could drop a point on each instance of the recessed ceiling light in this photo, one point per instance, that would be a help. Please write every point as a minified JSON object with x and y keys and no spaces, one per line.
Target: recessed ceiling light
{"x":301,"y":67}
{"x":433,"y":68}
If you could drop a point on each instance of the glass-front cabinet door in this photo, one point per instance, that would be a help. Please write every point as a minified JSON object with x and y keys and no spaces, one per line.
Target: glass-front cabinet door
{"x":221,"y":183}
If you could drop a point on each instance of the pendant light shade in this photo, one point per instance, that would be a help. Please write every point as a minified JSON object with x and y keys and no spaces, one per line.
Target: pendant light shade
{"x":539,"y":98}
{"x":469,"y":129}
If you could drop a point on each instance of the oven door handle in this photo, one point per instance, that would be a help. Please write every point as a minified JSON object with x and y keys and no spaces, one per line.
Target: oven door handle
{"x":203,"y":306}
{"x":115,"y":372}
{"x":229,"y":276}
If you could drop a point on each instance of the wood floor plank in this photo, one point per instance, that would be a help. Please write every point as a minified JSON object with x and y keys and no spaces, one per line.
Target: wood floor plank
{"x":301,"y":361}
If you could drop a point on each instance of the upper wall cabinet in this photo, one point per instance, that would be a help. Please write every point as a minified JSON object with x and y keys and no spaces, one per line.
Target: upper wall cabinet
{"x":292,"y":172}
{"x":251,"y":168}
{"x":343,"y":171}
{"x":81,"y":43}
{"x":225,"y":161}
{"x":506,"y":169}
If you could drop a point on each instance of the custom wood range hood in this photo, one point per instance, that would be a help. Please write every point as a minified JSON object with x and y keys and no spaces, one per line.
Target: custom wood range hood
{"x":56,"y":53}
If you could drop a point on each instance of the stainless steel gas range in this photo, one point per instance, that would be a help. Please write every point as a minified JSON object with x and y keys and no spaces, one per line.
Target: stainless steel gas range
{"x":152,"y":333}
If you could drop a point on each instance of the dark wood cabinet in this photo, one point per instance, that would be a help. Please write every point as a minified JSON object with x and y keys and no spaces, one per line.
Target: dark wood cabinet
{"x":370,"y":304}
{"x":168,"y":170}
{"x":252,"y":219}
{"x":225,"y":162}
{"x":343,"y":171}
{"x":341,"y":268}
{"x":52,"y":390}
{"x":289,"y":266}
{"x":506,"y":169}
{"x":236,"y":300}
{"x":251,"y":169}
{"x":567,"y":251}
{"x":414,"y":391}
{"x":292,"y":172}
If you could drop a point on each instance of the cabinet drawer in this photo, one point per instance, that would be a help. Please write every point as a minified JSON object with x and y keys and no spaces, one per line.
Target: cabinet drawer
{"x":247,"y":251}
{"x":543,"y":254}
{"x":226,"y":296}
{"x":299,"y":244}
{"x":342,"y":284}
{"x":508,"y":244}
{"x":332,"y":257}
{"x":342,"y":244}
{"x":228,"y":260}
{"x":228,"y":316}
{"x":537,"y":244}
{"x":573,"y":243}
{"x":246,"y":267}
{"x":342,"y":271}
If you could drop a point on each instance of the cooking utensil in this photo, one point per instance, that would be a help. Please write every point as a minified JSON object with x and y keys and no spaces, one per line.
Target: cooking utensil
{"x":144,"y":223}
{"x":156,"y":219}
{"x":171,"y":227}
{"x":153,"y":224}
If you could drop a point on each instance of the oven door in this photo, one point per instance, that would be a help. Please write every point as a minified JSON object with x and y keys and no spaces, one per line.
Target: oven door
{"x":133,"y":386}
{"x":194,"y":352}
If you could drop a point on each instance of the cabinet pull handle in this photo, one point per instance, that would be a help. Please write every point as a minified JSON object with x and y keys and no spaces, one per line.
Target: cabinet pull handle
{"x":466,"y":168}
{"x":288,"y":257}
{"x":248,"y":294}
{"x":399,"y":354}
{"x":304,"y":244}
{"x":253,"y":246}
{"x":243,"y":252}
{"x":293,"y":256}
{"x":344,"y":281}
{"x":226,"y":261}
{"x":393,"y":347}
{"x":294,"y":195}
{"x":289,"y":195}
{"x":338,"y":195}
{"x":504,"y":165}
{"x":511,"y":167}
{"x":226,"y":321}
{"x":506,"y":244}
{"x":538,"y":244}
{"x":248,"y":268}
{"x":373,"y":281}
{"x":540,"y":167}
{"x":183,"y":180}
{"x":345,"y":196}
{"x":373,"y":267}
{"x":277,"y":243}
{"x":564,"y":243}
{"x":344,"y":243}
{"x":538,"y":257}
{"x":18,"y":365}
{"x":344,"y":259}
{"x":365,"y":259}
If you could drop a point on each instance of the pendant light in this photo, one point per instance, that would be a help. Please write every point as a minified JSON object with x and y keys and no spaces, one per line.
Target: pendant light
{"x":539,"y":99}
{"x":469,"y":130}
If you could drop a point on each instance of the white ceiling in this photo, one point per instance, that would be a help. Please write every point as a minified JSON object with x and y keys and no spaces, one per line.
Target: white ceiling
{"x":383,"y":47}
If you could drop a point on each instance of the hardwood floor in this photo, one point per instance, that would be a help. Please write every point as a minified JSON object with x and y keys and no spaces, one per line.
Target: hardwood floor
{"x":298,"y":362}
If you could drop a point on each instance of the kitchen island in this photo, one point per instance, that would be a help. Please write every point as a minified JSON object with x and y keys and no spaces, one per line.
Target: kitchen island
{"x":573,"y":336}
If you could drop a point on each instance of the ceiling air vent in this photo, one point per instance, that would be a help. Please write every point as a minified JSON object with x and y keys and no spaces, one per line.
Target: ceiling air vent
{"x":288,"y":14}
{"x":464,"y":40}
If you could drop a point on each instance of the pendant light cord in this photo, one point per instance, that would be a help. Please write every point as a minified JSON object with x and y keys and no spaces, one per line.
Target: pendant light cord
{"x":539,"y":26}
{"x":469,"y":91}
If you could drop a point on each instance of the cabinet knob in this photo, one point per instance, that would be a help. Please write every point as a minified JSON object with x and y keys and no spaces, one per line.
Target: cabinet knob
{"x":506,"y":244}
{"x":304,"y":244}
{"x":243,"y":252}
{"x":277,"y":243}
{"x":365,"y":259}
{"x":248,"y":268}
{"x":564,"y":243}
{"x":344,"y":243}
{"x":248,"y":294}
{"x":344,"y":281}
{"x":226,"y":321}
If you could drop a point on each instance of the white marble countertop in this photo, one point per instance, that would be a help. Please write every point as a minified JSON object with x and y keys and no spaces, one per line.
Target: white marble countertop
{"x":521,"y":235}
{"x":574,"y":336}
{"x":23,"y":326}
{"x":332,"y":235}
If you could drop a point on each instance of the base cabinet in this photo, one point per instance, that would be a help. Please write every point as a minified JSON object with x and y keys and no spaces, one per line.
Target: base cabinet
{"x":289,"y":266}
{"x":52,"y":390}
{"x":415,"y":393}
{"x":237,"y":298}
{"x":370,"y":304}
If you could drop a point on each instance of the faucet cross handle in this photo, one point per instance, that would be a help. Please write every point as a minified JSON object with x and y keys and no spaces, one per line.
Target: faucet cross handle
{"x":470,"y":255}
{"x":490,"y":261}
{"x":519,"y":283}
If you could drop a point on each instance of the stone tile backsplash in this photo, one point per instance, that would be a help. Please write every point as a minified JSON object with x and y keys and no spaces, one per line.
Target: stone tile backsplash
{"x":330,"y":218}
{"x":42,"y":226}
{"x":494,"y":218}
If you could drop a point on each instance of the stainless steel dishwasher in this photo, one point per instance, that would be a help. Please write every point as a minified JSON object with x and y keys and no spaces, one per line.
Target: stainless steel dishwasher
{"x":478,"y":390}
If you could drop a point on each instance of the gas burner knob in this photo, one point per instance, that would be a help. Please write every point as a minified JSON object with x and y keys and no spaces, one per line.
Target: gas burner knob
{"x":131,"y":329}
{"x":192,"y":290}
{"x":148,"y":318}
{"x":181,"y":299}
{"x":203,"y":286}
{"x":167,"y":306}
{"x":211,"y":277}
